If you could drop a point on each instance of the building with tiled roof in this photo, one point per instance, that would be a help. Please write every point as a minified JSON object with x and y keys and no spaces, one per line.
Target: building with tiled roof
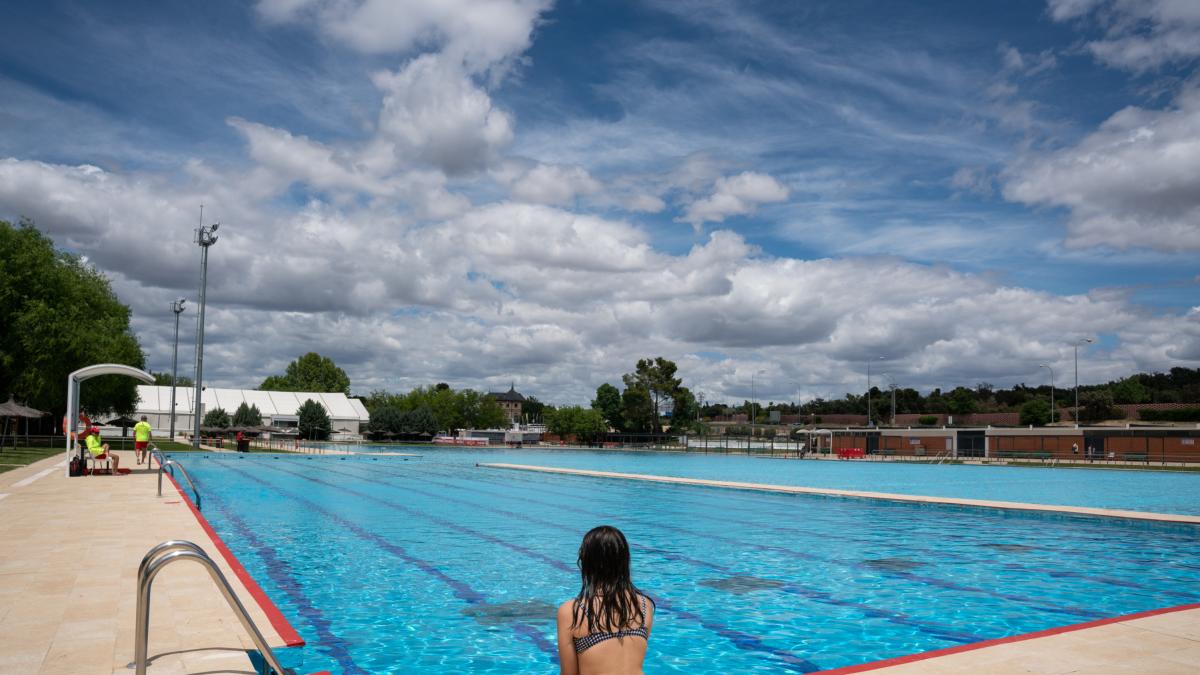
{"x":510,"y":401}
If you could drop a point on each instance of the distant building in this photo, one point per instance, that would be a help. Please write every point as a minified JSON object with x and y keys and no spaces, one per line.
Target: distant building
{"x":510,"y":402}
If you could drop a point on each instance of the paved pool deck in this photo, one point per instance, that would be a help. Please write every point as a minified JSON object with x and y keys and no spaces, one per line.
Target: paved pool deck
{"x":68,"y":568}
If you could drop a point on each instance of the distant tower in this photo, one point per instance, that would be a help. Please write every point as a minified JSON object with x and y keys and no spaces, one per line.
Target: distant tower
{"x":510,"y":402}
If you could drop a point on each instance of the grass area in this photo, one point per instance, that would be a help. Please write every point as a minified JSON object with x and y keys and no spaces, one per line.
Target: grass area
{"x":15,"y":458}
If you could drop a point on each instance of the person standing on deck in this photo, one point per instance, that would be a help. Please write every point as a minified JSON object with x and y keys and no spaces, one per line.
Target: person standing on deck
{"x":141,"y":440}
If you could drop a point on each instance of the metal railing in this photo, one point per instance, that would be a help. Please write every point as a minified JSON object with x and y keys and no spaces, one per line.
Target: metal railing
{"x":171,"y":462}
{"x":154,"y":561}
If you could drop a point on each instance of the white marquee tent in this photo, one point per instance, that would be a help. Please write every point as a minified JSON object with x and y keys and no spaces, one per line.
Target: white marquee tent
{"x":278,"y":408}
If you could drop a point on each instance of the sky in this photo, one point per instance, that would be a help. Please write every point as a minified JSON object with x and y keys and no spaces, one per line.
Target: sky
{"x":776,"y":196}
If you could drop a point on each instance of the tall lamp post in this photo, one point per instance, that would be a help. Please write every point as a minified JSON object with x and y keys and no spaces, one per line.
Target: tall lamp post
{"x":1081,"y":341}
{"x":754,"y":402}
{"x":869,"y":362}
{"x":176,"y":307}
{"x":205,"y":237}
{"x":1047,"y":367}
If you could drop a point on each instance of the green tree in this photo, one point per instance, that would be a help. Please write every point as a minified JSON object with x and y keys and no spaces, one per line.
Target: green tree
{"x":480,"y":411}
{"x":311,"y":372}
{"x":217,"y":417}
{"x":532,"y":409}
{"x":961,"y":401}
{"x":421,"y":421}
{"x":586,"y":424}
{"x":1130,"y":390}
{"x":314,"y":421}
{"x":387,"y":419}
{"x":1097,"y":405}
{"x":1035,"y":411}
{"x":608,"y":402}
{"x":657,"y":377}
{"x":247,"y":416}
{"x":638,"y":411}
{"x":164,"y":380}
{"x":58,"y":314}
{"x":685,"y":412}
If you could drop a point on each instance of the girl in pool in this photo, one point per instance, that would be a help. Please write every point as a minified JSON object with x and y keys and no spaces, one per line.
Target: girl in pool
{"x":604,"y":629}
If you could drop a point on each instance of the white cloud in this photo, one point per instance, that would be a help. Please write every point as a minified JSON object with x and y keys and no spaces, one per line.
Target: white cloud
{"x":479,"y":33}
{"x":1134,"y":182}
{"x":1140,"y":35}
{"x":735,"y":196}
{"x":434,"y":113}
{"x":554,"y":184}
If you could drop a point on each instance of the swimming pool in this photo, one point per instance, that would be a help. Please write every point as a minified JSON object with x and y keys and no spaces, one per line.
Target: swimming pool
{"x":1157,"y":491}
{"x":433,"y":565}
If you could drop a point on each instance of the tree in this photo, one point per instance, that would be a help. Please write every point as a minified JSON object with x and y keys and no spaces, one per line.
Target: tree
{"x":685,"y":411}
{"x":657,"y":377}
{"x":314,"y":421}
{"x":311,"y":372}
{"x":961,"y":401}
{"x":164,"y":380}
{"x":58,"y":314}
{"x":608,"y":402}
{"x":532,"y":409}
{"x":1097,"y":405}
{"x":1035,"y":411}
{"x":586,"y":424}
{"x":637,"y":411}
{"x":217,"y":417}
{"x":387,"y":419}
{"x":1130,"y":390}
{"x":247,"y":416}
{"x":479,"y":411}
{"x":421,"y":421}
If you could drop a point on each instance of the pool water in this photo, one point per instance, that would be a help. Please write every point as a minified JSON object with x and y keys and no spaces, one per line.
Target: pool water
{"x":1156,"y":491}
{"x":432,"y":565}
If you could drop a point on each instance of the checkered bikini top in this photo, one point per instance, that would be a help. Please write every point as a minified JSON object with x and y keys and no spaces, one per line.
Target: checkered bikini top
{"x":582,"y":644}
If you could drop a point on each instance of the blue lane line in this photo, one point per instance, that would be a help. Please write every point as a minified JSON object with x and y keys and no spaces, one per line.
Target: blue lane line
{"x":739,"y":639}
{"x":460,"y":589}
{"x":942,"y":632}
{"x":280,"y":572}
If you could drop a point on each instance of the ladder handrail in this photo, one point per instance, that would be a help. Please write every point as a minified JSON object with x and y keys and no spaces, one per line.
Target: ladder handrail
{"x":172,"y":462}
{"x":155,"y":451}
{"x":166,"y":553}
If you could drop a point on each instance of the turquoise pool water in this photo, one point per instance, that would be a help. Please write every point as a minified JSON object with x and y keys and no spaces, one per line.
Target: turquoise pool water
{"x":1158,"y":491}
{"x":432,"y":565}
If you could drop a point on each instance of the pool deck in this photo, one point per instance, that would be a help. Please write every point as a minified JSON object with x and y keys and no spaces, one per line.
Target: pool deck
{"x":793,"y":489}
{"x":68,"y":568}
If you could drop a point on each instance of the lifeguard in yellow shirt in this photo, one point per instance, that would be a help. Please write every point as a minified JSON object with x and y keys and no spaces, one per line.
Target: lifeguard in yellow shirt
{"x":141,"y":441}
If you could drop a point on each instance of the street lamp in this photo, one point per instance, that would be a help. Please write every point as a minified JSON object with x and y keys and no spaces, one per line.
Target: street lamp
{"x":1051,"y":390}
{"x":892,"y":386}
{"x":1075,"y":346}
{"x":878,"y":358}
{"x":176,"y":307}
{"x":205,"y":237}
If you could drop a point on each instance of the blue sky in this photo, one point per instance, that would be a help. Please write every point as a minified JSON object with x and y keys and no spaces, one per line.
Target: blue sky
{"x":546,"y":191}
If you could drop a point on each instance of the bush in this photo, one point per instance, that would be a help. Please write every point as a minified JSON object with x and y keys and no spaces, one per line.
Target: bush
{"x":1097,"y":405}
{"x":1177,"y":415}
{"x":247,"y":416}
{"x":927,"y":420}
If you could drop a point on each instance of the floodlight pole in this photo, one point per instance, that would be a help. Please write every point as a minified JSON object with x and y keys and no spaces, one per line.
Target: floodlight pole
{"x":1082,"y":341}
{"x":205,"y":237}
{"x":176,"y":307}
{"x":869,"y":361}
{"x":1047,"y":367}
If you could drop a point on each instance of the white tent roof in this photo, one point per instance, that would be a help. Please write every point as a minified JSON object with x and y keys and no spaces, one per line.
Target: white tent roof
{"x":157,"y":399}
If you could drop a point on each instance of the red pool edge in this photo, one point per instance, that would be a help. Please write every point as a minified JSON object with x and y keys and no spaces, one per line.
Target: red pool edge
{"x":921,"y":656}
{"x":278,"y":621}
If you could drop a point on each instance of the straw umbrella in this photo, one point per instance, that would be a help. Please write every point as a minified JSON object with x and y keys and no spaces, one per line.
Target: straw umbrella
{"x":10,"y":410}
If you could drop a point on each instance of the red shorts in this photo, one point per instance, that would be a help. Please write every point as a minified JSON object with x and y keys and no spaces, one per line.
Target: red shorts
{"x":140,"y":445}
{"x":103,"y":455}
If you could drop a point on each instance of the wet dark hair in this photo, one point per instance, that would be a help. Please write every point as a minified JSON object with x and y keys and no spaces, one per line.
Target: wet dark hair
{"x":608,"y":600}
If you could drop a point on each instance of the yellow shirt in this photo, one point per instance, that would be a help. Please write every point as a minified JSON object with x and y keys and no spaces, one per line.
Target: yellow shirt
{"x":141,"y":431}
{"x":94,"y":445}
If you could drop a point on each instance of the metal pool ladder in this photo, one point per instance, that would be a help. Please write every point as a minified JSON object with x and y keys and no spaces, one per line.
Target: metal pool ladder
{"x":166,"y":553}
{"x":171,"y":462}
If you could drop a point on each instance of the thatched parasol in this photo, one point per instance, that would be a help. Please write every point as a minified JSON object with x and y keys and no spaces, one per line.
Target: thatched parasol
{"x":10,"y":409}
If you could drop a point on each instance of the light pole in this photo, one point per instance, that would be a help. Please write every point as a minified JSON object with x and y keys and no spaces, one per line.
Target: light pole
{"x":176,"y":307}
{"x":869,"y":362}
{"x":205,"y":237}
{"x":1051,"y":390}
{"x":1081,"y":341}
